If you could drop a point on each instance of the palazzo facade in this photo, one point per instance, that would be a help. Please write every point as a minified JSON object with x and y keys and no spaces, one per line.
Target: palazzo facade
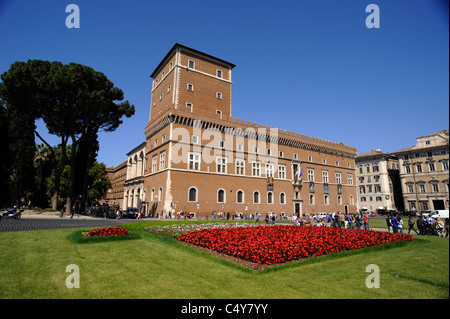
{"x":197,"y":158}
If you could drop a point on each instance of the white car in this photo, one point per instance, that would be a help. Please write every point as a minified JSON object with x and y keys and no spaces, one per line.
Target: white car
{"x":440,"y":213}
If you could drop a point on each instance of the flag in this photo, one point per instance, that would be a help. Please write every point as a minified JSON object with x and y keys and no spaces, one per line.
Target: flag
{"x":296,"y":176}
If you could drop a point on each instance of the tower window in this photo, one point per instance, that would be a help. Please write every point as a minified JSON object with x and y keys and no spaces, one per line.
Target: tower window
{"x":191,"y":64}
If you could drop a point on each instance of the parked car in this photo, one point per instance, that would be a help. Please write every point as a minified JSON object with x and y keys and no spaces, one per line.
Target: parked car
{"x":373,"y":214}
{"x":131,"y":212}
{"x":437,"y":213}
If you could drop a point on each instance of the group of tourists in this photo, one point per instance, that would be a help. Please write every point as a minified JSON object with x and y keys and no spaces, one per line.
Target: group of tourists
{"x":428,"y":225}
{"x":336,"y":219}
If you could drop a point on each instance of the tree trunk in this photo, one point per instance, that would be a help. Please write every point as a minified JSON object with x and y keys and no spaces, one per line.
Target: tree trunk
{"x":73,"y":157}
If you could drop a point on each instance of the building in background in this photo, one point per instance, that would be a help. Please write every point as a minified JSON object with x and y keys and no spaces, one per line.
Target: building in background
{"x":117,"y":175}
{"x":378,"y":182}
{"x":424,"y":173}
{"x":133,"y":191}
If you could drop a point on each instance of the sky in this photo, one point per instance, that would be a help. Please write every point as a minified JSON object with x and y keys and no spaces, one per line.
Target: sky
{"x":311,"y":67}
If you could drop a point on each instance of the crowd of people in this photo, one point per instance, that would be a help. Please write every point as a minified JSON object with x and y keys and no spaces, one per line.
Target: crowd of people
{"x":336,"y":219}
{"x":428,"y":225}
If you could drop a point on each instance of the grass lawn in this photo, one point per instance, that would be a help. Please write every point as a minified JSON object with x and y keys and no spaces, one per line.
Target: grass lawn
{"x":33,"y":265}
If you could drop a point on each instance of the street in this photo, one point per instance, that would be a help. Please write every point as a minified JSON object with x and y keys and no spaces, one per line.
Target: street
{"x":35,"y":222}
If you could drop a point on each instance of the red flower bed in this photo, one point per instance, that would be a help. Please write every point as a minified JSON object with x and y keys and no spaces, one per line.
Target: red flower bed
{"x":107,"y":231}
{"x":278,"y":244}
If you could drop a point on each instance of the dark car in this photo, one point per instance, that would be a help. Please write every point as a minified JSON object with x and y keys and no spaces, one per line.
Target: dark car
{"x":131,"y":212}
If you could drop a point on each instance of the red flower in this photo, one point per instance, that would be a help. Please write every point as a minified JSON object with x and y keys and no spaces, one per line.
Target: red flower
{"x":278,"y":244}
{"x":108,"y":231}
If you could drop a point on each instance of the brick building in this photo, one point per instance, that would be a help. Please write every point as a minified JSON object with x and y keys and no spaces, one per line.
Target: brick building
{"x":199,"y":159}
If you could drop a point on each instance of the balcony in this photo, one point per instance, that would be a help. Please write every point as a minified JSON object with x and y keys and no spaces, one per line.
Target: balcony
{"x":297,"y":182}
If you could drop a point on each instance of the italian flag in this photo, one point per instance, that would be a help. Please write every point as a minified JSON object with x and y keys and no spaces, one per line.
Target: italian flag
{"x":296,"y":176}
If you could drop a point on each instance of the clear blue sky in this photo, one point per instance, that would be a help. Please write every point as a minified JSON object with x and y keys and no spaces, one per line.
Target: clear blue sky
{"x":311,"y":67}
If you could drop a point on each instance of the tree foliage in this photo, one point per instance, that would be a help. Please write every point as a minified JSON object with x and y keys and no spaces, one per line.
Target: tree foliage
{"x":75,"y":102}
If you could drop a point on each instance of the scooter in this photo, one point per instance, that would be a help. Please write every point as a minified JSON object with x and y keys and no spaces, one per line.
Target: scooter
{"x":12,"y":214}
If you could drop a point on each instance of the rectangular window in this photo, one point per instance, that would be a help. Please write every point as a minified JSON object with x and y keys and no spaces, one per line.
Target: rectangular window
{"x":362,"y":189}
{"x":219,"y":73}
{"x":162,"y":160}
{"x":410,"y":189}
{"x":350,"y":179}
{"x":338,"y":178}
{"x":282,"y":171}
{"x":325,"y":176}
{"x":221,"y":164}
{"x":194,"y":139}
{"x":189,"y":104}
{"x":240,"y":166}
{"x":422,"y":188}
{"x":310,"y":175}
{"x":269,"y":170}
{"x":191,"y":64}
{"x":408,"y":169}
{"x":432,"y":167}
{"x":445,"y":166}
{"x":256,"y":169}
{"x":154,"y":163}
{"x":219,"y":95}
{"x":419,"y":168}
{"x":190,"y":87}
{"x":194,"y":161}
{"x":435,"y":188}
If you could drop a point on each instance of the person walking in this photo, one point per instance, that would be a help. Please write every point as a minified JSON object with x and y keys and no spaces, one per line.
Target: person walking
{"x":349,"y":221}
{"x":389,"y":222}
{"x":366,"y":222}
{"x":411,"y":225}
{"x":440,"y":227}
{"x":328,"y":220}
{"x":400,"y":224}
{"x":395,"y":224}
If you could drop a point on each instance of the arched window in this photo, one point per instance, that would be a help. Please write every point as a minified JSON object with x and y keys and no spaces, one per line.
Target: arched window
{"x":160,"y":195}
{"x":221,"y":196}
{"x":192,"y":194}
{"x":152,"y":195}
{"x":240,"y":197}
{"x":311,"y":199}
{"x":282,"y":198}
{"x":269,"y":198}
{"x":339,"y":200}
{"x":326,"y":200}
{"x":255,"y":197}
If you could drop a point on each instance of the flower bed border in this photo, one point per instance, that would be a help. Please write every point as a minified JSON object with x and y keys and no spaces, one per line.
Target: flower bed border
{"x":386,"y":240}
